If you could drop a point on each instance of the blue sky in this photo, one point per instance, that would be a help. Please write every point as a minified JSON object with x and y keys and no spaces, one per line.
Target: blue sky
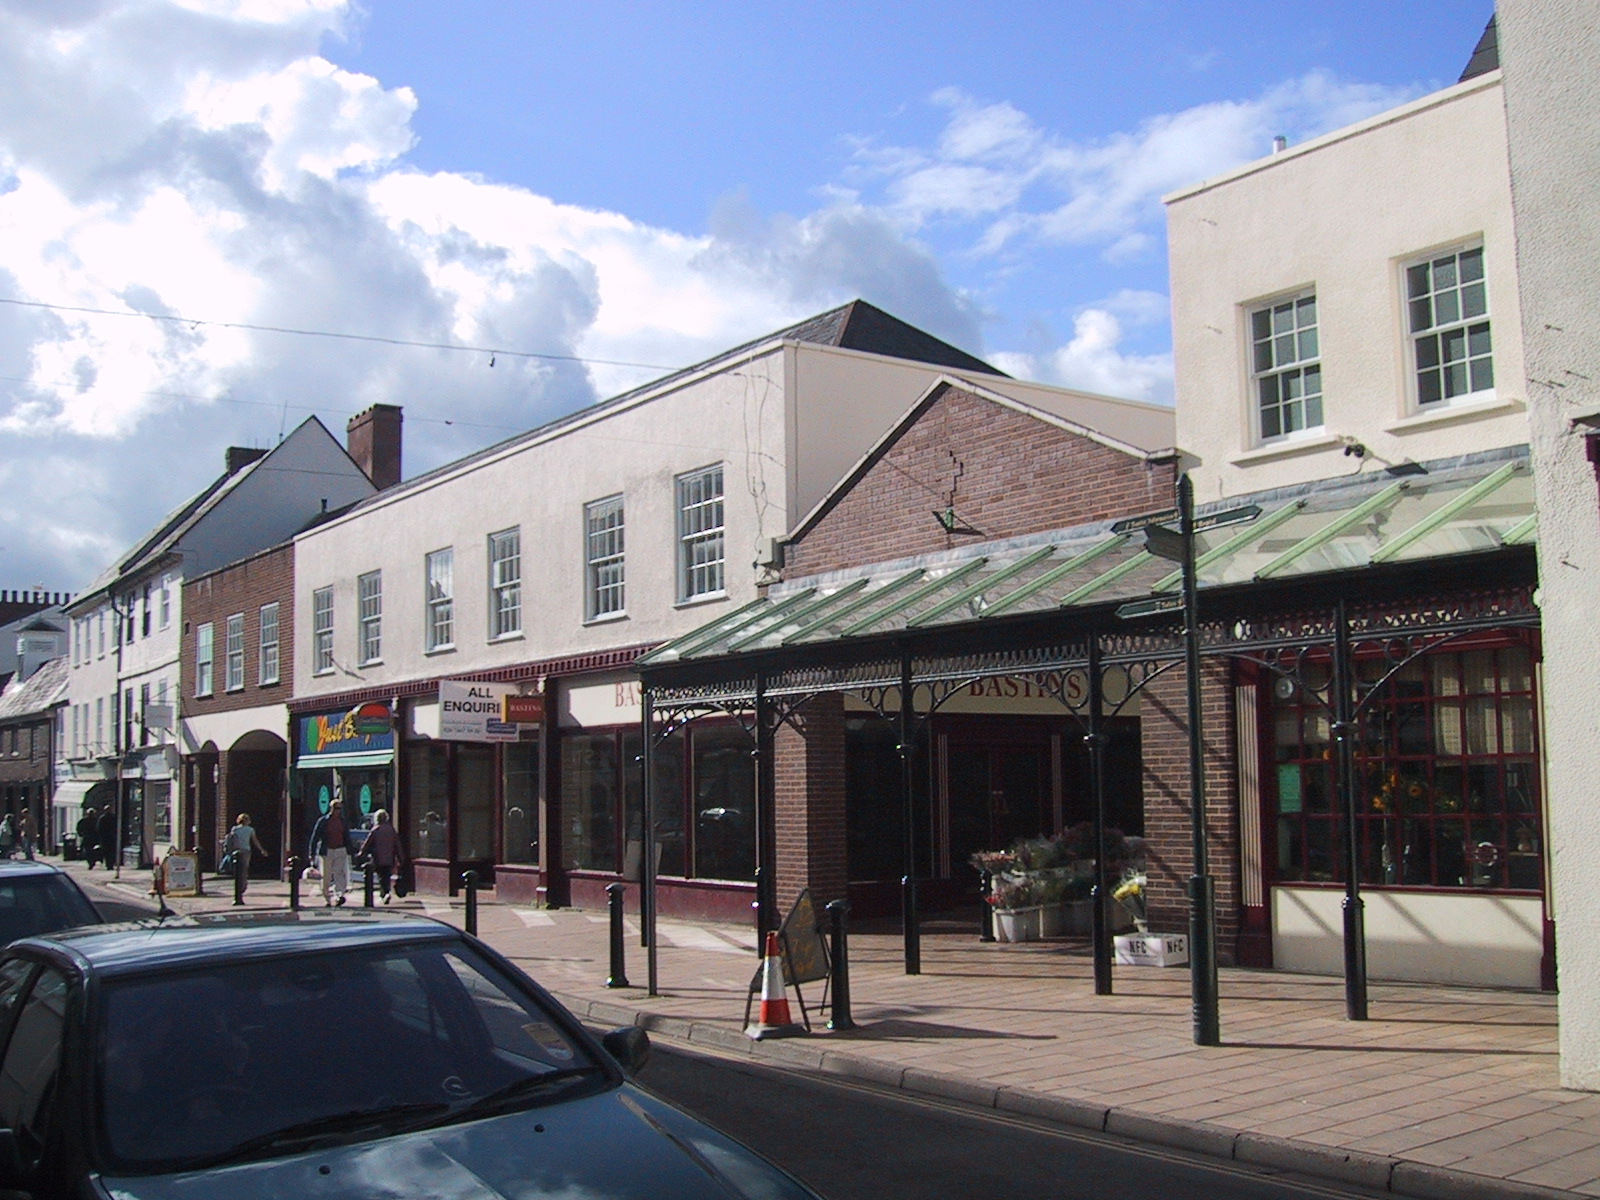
{"x":619,"y":182}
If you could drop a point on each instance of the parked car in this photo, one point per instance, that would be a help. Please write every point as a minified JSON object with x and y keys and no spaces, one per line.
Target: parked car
{"x":319,"y":1053}
{"x":36,"y":897}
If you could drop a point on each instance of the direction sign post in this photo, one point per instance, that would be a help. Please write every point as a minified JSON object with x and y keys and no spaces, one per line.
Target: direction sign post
{"x":1177,"y":545}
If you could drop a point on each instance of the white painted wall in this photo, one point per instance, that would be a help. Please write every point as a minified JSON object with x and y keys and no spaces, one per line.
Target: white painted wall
{"x":1342,"y":214}
{"x":1478,"y":941}
{"x":1551,"y":52}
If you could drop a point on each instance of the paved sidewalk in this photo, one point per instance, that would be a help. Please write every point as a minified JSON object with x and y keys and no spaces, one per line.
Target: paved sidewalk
{"x":1444,"y":1092}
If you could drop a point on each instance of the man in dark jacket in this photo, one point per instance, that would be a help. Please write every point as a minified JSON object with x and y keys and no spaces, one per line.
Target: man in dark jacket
{"x":330,"y":838}
{"x":89,"y":836}
{"x":107,"y":835}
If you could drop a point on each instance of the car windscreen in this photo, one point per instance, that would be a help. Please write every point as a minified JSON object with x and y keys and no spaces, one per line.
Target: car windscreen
{"x":258,"y":1058}
{"x":33,"y":904}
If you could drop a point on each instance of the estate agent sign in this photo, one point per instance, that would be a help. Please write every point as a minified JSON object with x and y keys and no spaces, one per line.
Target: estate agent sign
{"x":470,"y":712}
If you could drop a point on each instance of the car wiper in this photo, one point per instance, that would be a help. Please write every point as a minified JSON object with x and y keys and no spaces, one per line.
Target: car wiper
{"x":523,"y":1090}
{"x":391,"y":1118}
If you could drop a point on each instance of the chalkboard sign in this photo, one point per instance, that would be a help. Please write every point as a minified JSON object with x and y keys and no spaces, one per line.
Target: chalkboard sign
{"x":805,"y":952}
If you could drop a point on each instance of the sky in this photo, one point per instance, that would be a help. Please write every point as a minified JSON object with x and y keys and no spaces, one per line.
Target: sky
{"x":221,"y":217}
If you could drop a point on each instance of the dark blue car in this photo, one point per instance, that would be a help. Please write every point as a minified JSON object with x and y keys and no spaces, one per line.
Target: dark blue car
{"x":338,"y":1054}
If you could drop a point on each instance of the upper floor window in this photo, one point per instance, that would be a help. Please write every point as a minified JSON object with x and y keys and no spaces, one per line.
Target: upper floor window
{"x":700,"y":533}
{"x":604,"y":587}
{"x":1447,"y":302}
{"x":441,"y":599}
{"x":147,"y":609}
{"x":269,"y":644}
{"x":322,"y":631}
{"x":166,"y":601}
{"x":1285,"y":367}
{"x":203,"y":639}
{"x":100,"y":633}
{"x":235,"y":649}
{"x":369,"y":590}
{"x":505,"y":583}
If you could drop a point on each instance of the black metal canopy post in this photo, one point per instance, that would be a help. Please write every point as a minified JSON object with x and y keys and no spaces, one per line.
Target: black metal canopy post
{"x":1095,"y":740}
{"x":647,"y":869}
{"x":1202,"y":894}
{"x":1344,"y":732}
{"x":910,"y":918}
{"x":766,"y":873}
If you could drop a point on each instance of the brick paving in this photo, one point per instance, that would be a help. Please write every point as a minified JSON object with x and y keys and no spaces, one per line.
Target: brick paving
{"x":1443,"y":1092}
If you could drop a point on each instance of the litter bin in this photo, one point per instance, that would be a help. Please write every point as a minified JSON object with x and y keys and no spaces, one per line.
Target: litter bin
{"x":69,"y":848}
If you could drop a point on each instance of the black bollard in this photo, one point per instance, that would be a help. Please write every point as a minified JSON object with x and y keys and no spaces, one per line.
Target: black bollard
{"x":986,"y":922}
{"x":294,"y":883}
{"x":366,"y":885}
{"x":470,"y":879}
{"x":839,"y":1015}
{"x":619,"y":975}
{"x":238,"y":877}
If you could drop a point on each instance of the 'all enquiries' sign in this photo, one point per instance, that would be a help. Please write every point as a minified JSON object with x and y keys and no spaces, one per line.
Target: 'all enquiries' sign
{"x":470,"y":712}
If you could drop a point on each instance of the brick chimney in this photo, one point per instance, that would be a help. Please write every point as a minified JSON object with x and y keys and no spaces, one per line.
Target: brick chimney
{"x":373,"y":438}
{"x":239,"y":457}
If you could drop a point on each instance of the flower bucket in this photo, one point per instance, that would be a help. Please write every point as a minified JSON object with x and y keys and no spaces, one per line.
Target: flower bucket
{"x":1018,"y":924}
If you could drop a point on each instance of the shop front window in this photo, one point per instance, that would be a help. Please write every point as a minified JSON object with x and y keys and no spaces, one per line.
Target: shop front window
{"x":427,"y":797}
{"x":519,"y":785}
{"x":1446,"y":778}
{"x":724,"y":791}
{"x":590,"y":798}
{"x":474,"y":801}
{"x":666,"y":809}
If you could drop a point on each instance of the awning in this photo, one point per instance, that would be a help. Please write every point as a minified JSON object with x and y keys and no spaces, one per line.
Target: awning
{"x":354,"y":758}
{"x":1468,"y":506}
{"x":73,"y":792}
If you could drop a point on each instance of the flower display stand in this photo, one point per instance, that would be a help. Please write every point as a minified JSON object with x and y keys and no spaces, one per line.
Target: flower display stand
{"x":1152,"y":949}
{"x":1019,"y":924}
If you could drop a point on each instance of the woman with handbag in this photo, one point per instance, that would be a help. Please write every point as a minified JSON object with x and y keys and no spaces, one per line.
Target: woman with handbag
{"x":382,"y":848}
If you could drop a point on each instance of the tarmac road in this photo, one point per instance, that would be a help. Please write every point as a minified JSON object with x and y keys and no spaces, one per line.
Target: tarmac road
{"x":855,"y":1142}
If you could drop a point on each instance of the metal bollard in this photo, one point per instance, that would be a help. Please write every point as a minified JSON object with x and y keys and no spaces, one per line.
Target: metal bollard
{"x":238,"y":878}
{"x":470,"y":880}
{"x":366,"y":885}
{"x":619,"y":974}
{"x":294,"y":883}
{"x":986,"y":922}
{"x":839,"y":1015}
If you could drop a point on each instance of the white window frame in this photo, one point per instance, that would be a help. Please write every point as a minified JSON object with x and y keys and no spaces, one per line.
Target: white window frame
{"x":702,"y":534}
{"x":268,"y":665}
{"x":505,"y":583}
{"x":233,"y":643}
{"x":1449,"y":328}
{"x":204,"y":653}
{"x":369,"y":617}
{"x":605,"y":595}
{"x":439,"y":631}
{"x":166,"y":602}
{"x":322,"y":631}
{"x":1286,"y":361}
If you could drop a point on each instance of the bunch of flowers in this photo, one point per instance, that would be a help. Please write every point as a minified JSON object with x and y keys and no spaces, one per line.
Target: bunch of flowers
{"x":994,"y":862}
{"x":1015,"y":891}
{"x":1130,"y":894}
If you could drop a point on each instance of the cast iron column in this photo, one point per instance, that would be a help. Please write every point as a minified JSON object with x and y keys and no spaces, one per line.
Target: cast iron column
{"x":647,"y":869}
{"x":1344,"y":731}
{"x":1202,"y":895}
{"x":910,"y":918}
{"x":1095,"y":740}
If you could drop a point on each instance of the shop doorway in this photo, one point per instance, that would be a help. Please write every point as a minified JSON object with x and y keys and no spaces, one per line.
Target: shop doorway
{"x":996,"y":782}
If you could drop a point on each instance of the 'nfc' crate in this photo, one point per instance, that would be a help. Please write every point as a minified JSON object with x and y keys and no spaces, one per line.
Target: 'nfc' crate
{"x":1153,"y":949}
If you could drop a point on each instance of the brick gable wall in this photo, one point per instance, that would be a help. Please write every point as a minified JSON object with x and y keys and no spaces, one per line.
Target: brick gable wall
{"x":1005,"y":472}
{"x":244,"y":588}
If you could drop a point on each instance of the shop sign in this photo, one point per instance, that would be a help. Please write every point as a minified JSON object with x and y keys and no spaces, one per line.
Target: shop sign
{"x":471,"y":712}
{"x":522,"y":710}
{"x":340,"y":733}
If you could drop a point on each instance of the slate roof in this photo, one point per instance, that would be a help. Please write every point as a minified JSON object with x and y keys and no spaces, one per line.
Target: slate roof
{"x":1485,"y":55}
{"x":35,"y":695}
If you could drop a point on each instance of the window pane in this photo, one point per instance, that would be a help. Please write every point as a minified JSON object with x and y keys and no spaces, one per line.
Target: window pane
{"x":724,"y":804}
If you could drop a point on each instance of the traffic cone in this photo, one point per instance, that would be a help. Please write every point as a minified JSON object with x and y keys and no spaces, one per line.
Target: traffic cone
{"x":773,"y":1019}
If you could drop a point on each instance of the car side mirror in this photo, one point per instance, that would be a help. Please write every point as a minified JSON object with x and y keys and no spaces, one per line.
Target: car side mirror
{"x":630,"y":1046}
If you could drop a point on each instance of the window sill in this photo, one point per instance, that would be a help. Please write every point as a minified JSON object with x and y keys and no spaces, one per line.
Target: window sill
{"x":506,"y":637}
{"x":371,"y":662}
{"x":1287,"y":448}
{"x":607,"y":618}
{"x":1445,"y":414}
{"x":324,"y":671}
{"x":447,"y":648}
{"x":704,"y":598}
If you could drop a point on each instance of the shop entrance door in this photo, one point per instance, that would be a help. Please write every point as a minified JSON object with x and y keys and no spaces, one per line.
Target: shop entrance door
{"x":994,"y":792}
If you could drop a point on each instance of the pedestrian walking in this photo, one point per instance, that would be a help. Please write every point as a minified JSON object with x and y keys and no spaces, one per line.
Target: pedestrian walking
{"x":108,"y":836}
{"x":383,"y":850}
{"x":25,"y":832}
{"x":241,"y":840}
{"x":8,"y":837}
{"x":88,"y":836}
{"x":330,"y":837}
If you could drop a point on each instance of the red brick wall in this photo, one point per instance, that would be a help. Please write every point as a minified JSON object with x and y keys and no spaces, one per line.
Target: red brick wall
{"x":1009,"y":473}
{"x":243,"y":587}
{"x":1164,"y":713}
{"x":810,"y":818}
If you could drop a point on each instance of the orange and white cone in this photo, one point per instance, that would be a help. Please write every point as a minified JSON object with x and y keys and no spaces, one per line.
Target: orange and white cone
{"x":773,"y":1019}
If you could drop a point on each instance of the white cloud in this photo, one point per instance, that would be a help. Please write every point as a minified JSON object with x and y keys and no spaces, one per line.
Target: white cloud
{"x":1093,"y":361}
